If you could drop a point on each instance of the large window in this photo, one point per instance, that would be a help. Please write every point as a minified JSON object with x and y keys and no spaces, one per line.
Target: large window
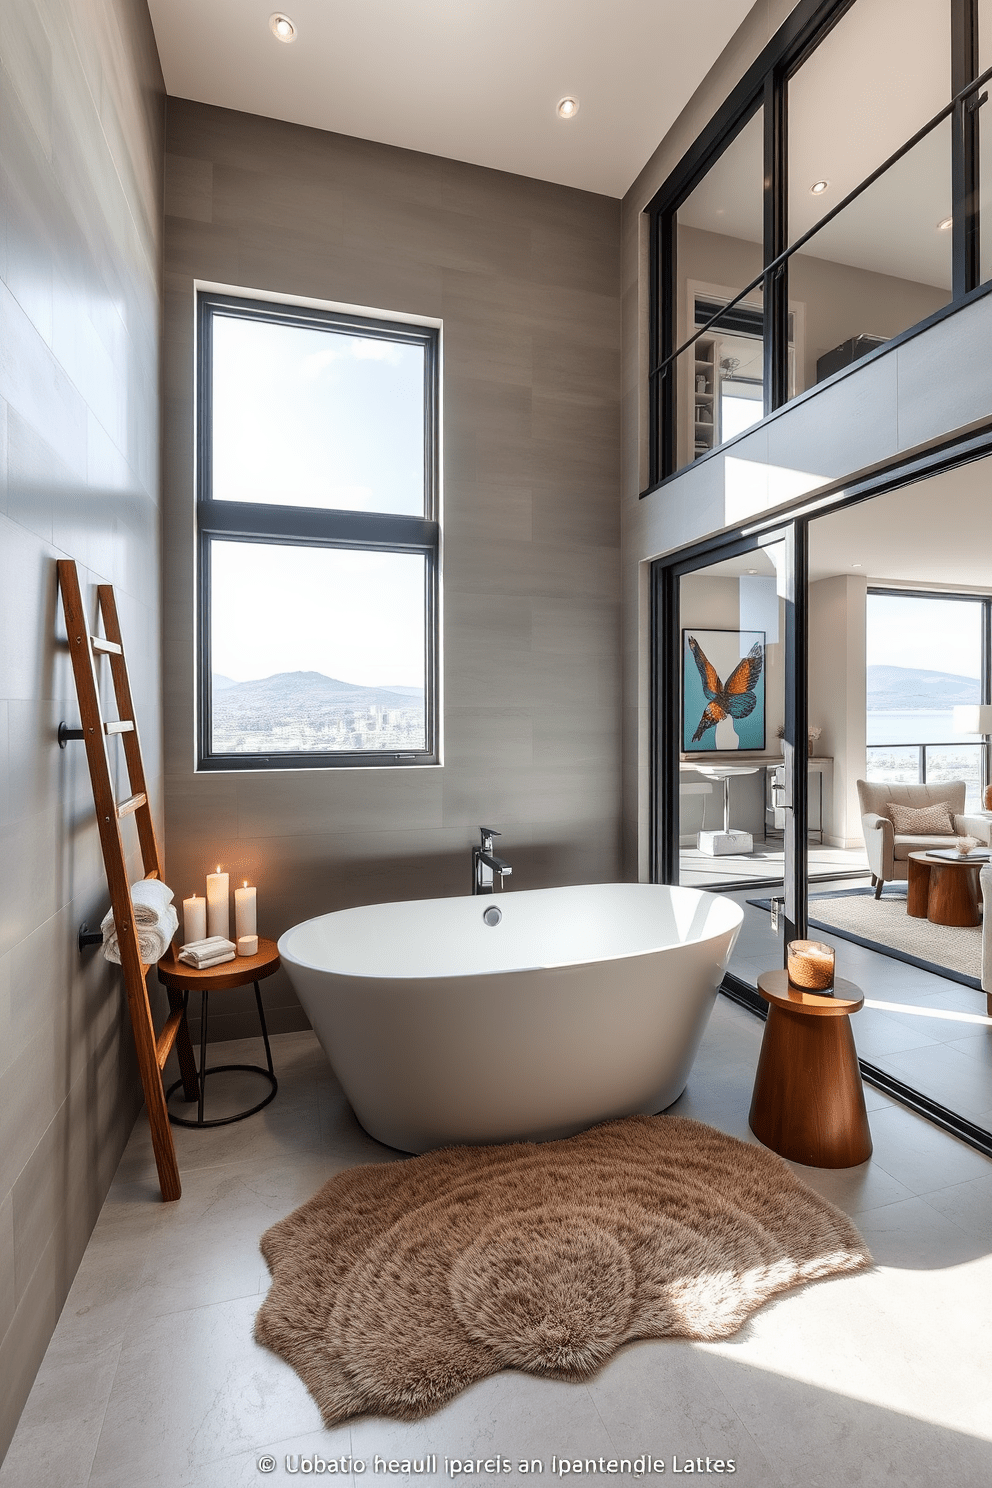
{"x":832,"y":205}
{"x":318,"y":538}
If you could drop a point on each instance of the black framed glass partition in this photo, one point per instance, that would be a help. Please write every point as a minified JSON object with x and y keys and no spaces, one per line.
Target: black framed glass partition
{"x":882,"y":595}
{"x":872,"y":192}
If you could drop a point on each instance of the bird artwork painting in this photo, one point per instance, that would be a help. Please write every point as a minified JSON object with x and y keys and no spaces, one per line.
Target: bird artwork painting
{"x":736,"y":698}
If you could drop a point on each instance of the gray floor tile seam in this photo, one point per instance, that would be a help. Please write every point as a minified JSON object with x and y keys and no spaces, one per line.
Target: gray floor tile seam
{"x":771,"y":1478}
{"x":972,"y":1232}
{"x":103,"y":1414}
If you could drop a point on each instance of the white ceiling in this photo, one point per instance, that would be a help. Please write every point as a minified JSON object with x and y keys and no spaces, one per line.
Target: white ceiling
{"x":474,"y":80}
{"x":937,"y":532}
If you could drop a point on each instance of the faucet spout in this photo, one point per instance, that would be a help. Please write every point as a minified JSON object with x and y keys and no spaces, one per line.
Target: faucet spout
{"x":486,"y":865}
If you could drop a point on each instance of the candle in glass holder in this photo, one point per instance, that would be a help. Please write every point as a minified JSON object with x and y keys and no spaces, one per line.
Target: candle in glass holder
{"x":194,"y":918}
{"x":244,"y":912}
{"x":218,"y":903}
{"x":811,"y":965}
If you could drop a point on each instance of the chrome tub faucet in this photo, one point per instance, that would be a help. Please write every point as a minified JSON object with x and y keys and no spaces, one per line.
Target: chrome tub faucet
{"x":486,"y":865}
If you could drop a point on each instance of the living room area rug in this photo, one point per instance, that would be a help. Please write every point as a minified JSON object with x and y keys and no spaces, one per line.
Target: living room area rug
{"x":883,"y":925}
{"x":399,"y":1284}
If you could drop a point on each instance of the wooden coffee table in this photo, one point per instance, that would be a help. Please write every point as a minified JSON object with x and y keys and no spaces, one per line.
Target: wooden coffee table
{"x":944,"y":890}
{"x":809,"y":1103}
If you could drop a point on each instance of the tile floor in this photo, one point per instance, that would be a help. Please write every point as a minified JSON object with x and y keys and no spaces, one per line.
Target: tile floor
{"x":152,"y":1377}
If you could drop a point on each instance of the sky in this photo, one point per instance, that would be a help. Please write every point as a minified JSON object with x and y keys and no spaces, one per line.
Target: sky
{"x":307,"y":417}
{"x":939,"y":635}
{"x":355,"y":616}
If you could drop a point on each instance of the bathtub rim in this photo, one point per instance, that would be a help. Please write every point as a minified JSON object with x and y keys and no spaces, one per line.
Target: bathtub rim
{"x":732,"y":928}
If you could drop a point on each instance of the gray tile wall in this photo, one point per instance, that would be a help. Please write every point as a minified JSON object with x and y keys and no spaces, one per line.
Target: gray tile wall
{"x":81,"y":125}
{"x":525,"y":277}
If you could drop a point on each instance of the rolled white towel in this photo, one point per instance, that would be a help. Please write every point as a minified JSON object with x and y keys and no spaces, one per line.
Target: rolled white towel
{"x":152,"y":902}
{"x":153,"y":940}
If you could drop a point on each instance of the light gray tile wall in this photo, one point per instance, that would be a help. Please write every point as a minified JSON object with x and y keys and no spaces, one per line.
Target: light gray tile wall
{"x":525,"y":277}
{"x":81,"y":141}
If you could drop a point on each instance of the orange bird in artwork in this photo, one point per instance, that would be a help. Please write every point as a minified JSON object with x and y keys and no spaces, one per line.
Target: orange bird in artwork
{"x":736,"y":698}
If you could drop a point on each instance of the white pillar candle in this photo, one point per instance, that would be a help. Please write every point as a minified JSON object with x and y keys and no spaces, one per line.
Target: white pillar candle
{"x":247,"y":945}
{"x":218,"y":903}
{"x":194,"y":919}
{"x":244,"y":912}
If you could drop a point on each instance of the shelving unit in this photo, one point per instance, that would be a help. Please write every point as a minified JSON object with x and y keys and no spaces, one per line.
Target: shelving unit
{"x":704,"y":398}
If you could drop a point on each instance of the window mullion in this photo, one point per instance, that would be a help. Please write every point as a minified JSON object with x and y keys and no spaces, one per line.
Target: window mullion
{"x":776,"y":240}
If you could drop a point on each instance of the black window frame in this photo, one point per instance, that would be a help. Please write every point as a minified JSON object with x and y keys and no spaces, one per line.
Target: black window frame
{"x":766,"y":83}
{"x":302,"y":526}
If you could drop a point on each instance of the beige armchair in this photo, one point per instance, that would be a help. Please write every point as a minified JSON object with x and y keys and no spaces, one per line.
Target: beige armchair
{"x":889,"y":850}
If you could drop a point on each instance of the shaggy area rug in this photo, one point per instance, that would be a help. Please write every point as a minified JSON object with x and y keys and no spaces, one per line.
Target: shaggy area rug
{"x":399,"y":1284}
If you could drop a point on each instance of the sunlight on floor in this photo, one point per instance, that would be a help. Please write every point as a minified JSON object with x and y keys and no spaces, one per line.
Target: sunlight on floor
{"x":891,"y":1366}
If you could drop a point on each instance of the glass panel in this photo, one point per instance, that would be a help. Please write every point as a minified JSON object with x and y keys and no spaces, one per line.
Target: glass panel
{"x":720,"y":380}
{"x":316,"y":649}
{"x":305,"y":417}
{"x":898,"y":764}
{"x":957,"y":762}
{"x":895,"y":681}
{"x":732,"y":616}
{"x":879,"y":267}
{"x":874,"y":80}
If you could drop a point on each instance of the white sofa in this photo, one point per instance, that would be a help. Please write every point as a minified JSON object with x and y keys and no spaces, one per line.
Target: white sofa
{"x":889,"y":850}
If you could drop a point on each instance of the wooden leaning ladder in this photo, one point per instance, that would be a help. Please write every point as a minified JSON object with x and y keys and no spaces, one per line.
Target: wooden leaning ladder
{"x":153,"y":1050}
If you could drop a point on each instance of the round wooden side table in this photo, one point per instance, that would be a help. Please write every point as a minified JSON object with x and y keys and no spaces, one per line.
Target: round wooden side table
{"x":181,"y":980}
{"x":809,"y":1102}
{"x":944,"y":890}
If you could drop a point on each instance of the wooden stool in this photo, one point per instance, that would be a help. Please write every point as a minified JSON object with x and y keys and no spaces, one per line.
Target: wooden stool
{"x":181,"y":979}
{"x":808,"y":1102}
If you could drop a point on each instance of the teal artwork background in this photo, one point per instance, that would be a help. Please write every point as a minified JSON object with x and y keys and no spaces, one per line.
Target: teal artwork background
{"x":724,"y":649}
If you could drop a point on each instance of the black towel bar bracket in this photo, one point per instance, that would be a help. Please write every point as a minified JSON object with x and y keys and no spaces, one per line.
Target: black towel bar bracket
{"x":66,"y":733}
{"x":88,"y":937}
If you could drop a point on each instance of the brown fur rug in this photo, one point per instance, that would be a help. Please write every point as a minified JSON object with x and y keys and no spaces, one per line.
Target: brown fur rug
{"x":400,"y":1283}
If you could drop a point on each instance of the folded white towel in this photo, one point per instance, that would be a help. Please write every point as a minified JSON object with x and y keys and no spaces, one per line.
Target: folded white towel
{"x":209,"y":952}
{"x":210,"y":961}
{"x":154,"y":916}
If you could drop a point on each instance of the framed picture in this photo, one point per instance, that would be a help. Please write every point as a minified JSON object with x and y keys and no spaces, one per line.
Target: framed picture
{"x":723,"y":690}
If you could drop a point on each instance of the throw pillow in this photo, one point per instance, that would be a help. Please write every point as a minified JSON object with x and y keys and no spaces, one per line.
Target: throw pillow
{"x":922,"y":821}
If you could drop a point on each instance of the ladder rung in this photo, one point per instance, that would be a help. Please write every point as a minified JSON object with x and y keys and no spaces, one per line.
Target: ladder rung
{"x":166,"y":1039}
{"x":110,"y":647}
{"x":123,"y":726}
{"x":131,"y":805}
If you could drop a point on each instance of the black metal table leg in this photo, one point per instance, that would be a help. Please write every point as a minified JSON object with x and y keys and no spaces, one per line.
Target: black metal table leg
{"x":218,"y":1069}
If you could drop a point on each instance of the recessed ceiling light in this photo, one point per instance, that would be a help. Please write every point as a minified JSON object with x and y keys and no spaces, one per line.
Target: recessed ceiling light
{"x":945,"y":223}
{"x":752,"y":570}
{"x":567,"y":108}
{"x":819,"y":187}
{"x":282,"y":27}
{"x":857,"y":565}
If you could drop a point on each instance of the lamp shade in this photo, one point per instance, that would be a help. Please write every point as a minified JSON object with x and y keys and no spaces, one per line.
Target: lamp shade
{"x":973,"y":718}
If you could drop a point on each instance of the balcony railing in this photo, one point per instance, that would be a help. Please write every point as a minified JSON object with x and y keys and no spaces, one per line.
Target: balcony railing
{"x":933,"y":764}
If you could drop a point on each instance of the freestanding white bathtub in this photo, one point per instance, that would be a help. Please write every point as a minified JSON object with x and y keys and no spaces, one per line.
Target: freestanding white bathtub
{"x":581,"y":1004}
